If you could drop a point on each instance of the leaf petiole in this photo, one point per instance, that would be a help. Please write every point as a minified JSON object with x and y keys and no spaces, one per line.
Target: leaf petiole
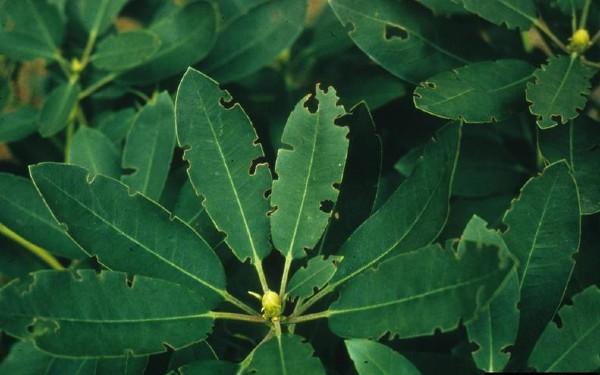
{"x":41,"y":253}
{"x":235,"y":316}
{"x":308,"y":317}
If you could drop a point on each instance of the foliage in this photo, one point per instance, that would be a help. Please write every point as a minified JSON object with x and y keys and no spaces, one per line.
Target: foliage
{"x":299,"y":186}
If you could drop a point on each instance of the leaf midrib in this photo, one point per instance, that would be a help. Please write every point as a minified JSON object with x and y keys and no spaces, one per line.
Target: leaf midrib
{"x":110,"y":321}
{"x":572,"y":346}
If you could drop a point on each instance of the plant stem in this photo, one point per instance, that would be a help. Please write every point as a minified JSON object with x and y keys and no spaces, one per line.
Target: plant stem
{"x":595,"y":38}
{"x":544,"y":28}
{"x":236,"y":302}
{"x":87,"y":51}
{"x":261,"y":275}
{"x":235,"y":316}
{"x":584,"y":14}
{"x":41,"y":253}
{"x":246,"y":362}
{"x":308,"y":317}
{"x":322,"y":293}
{"x":97,"y":85}
{"x":69,"y":138}
{"x":591,"y":63}
{"x":284,"y":276}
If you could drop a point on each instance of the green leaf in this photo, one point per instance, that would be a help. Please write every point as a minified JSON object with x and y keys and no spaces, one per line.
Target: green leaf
{"x":25,"y":359}
{"x":512,"y":13}
{"x":560,"y":90}
{"x":125,"y":50}
{"x":254,"y":39}
{"x":361,"y":177}
{"x":15,"y":261}
{"x":543,"y":233}
{"x":128,"y":232}
{"x":481,"y":92}
{"x":222,"y":149}
{"x":412,"y":217}
{"x":23,"y":211}
{"x":114,"y":321}
{"x":395,"y":297}
{"x":400,"y":36}
{"x":210,"y":367}
{"x":186,"y":35}
{"x":579,"y":144}
{"x":30,"y":29}
{"x":495,"y":327}
{"x":285,"y":354}
{"x":317,"y":272}
{"x":149,"y":147}
{"x":574,"y":346}
{"x":18,"y":124}
{"x":58,"y":108}
{"x":96,"y":16}
{"x":92,"y":150}
{"x":373,"y":358}
{"x":309,"y":167}
{"x":444,"y":6}
{"x":199,"y":352}
{"x":115,"y":125}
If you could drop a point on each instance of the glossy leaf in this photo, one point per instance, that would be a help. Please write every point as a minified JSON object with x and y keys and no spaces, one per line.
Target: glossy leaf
{"x":396,"y":298}
{"x":96,"y":16}
{"x":23,"y":211}
{"x":309,"y":167}
{"x":149,"y":147}
{"x":114,"y":321}
{"x":495,"y":327}
{"x":480,"y":92}
{"x":373,"y":358}
{"x":511,"y":13}
{"x":222,"y":149}
{"x":361,"y":177}
{"x":253,"y":39}
{"x":400,"y":36}
{"x":543,"y":233}
{"x":285,"y":354}
{"x":18,"y":124}
{"x":317,"y":272}
{"x":30,"y":29}
{"x":579,"y":143}
{"x":560,"y":90}
{"x":58,"y":108}
{"x":186,"y":34}
{"x":128,"y":232}
{"x":574,"y":346}
{"x":25,"y":359}
{"x":413,"y":216}
{"x":92,"y":150}
{"x":125,"y":50}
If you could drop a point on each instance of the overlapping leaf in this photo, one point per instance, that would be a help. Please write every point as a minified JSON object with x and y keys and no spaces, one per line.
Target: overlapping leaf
{"x":412,"y":217}
{"x":18,"y":124}
{"x":308,"y":168}
{"x":480,"y":92}
{"x":560,"y":90}
{"x":149,"y":147}
{"x":373,"y":358}
{"x":512,"y":13}
{"x":115,"y":320}
{"x":128,"y":232}
{"x":316,"y":274}
{"x":57,"y":108}
{"x":92,"y":150}
{"x":96,"y":16}
{"x":543,"y":233}
{"x":125,"y":50}
{"x":222,"y":149}
{"x":574,"y":346}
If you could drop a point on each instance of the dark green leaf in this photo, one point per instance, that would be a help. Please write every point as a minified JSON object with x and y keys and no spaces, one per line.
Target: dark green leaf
{"x":116,"y":125}
{"x":444,"y":6}
{"x":23,"y":211}
{"x":412,"y":217}
{"x":480,"y":92}
{"x":116,"y":320}
{"x":560,"y":90}
{"x":149,"y":147}
{"x":579,"y":144}
{"x":125,"y":50}
{"x":58,"y":108}
{"x":254,"y":39}
{"x":224,"y":158}
{"x":373,"y":358}
{"x":309,"y":167}
{"x":317,"y":272}
{"x":543,"y":233}
{"x":285,"y":354}
{"x":18,"y":124}
{"x":91,"y":149}
{"x":416,"y":293}
{"x":128,"y":232}
{"x":512,"y":13}
{"x":574,"y":346}
{"x":213,"y":367}
{"x":96,"y":16}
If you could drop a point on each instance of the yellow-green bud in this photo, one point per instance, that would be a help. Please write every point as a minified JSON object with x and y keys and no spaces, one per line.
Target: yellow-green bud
{"x":271,"y":305}
{"x":580,"y":41}
{"x":76,"y":66}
